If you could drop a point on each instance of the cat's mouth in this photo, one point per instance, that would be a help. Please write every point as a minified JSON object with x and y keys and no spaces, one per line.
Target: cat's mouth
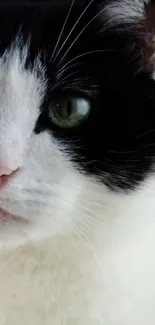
{"x":7,"y":216}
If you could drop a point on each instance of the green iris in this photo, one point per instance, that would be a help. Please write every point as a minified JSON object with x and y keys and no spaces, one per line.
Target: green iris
{"x":69,"y":112}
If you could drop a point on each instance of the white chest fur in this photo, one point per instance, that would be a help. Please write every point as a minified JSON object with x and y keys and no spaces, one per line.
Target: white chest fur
{"x":101,"y":273}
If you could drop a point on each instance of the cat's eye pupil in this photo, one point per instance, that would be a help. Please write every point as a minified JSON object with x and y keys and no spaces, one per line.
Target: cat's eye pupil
{"x":69,"y":112}
{"x":69,"y":108}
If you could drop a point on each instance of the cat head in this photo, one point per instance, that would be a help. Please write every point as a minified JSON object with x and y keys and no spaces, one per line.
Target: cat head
{"x":77,"y":99}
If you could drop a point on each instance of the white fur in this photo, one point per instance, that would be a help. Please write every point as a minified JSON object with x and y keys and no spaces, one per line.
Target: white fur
{"x":124,"y":11}
{"x":130,"y":12}
{"x":81,"y":255}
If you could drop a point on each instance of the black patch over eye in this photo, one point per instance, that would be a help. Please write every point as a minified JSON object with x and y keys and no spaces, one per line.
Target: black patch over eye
{"x":111,"y":138}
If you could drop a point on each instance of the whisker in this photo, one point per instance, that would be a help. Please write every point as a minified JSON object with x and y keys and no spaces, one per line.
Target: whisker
{"x":63,"y":70}
{"x":73,"y":29}
{"x":63,"y":80}
{"x":81,"y":55}
{"x":127,"y":152}
{"x":148,"y":145}
{"x":62,"y":30}
{"x":68,"y":76}
{"x":145,"y":133}
{"x":86,"y":240}
{"x":78,"y":36}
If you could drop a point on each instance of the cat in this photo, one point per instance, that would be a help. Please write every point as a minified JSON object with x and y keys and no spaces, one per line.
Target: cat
{"x":77,"y":148}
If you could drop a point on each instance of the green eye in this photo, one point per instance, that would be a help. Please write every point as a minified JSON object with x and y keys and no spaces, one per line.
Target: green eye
{"x":69,"y":112}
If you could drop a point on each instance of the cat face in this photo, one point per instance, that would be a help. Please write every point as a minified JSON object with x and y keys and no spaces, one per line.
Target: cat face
{"x":76,"y":110}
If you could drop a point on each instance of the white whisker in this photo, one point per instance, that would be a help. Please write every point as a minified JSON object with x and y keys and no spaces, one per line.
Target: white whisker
{"x":63,"y":80}
{"x":73,"y":28}
{"x":78,"y":36}
{"x":145,"y":133}
{"x":63,"y":70}
{"x":79,"y":56}
{"x":62,"y":30}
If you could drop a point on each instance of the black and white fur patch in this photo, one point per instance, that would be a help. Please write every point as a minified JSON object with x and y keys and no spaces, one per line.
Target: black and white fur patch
{"x":77,"y":213}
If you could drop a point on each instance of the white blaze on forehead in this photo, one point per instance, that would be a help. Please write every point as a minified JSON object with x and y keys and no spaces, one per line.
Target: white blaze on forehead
{"x":21,"y":94}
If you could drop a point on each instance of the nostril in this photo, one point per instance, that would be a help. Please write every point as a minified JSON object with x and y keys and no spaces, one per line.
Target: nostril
{"x":6,"y":174}
{"x":5,"y":171}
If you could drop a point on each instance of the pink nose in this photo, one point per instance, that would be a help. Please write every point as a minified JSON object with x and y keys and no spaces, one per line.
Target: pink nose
{"x":5,"y":171}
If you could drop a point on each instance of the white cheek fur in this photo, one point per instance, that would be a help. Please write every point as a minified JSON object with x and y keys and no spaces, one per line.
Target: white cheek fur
{"x":44,"y":191}
{"x":21,"y":95}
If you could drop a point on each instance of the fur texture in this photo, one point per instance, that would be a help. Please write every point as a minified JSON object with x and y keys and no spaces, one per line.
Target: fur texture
{"x":78,"y":248}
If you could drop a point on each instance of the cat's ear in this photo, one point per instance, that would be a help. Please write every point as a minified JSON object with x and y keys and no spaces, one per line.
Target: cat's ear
{"x":135,"y":20}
